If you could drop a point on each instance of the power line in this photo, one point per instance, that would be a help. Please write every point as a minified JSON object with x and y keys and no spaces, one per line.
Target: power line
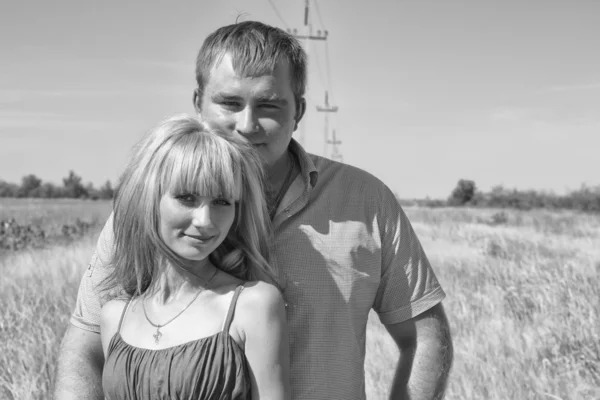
{"x":327,"y":65}
{"x":278,"y":14}
{"x":319,"y":67}
{"x":319,"y":15}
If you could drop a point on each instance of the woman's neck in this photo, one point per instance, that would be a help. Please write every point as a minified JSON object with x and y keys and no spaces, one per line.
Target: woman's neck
{"x":179,"y":282}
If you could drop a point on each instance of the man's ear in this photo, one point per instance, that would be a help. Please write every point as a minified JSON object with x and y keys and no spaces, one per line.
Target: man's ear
{"x":300,"y":110}
{"x":197,"y":99}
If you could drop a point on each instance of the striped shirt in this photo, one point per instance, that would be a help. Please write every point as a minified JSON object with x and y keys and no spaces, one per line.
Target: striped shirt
{"x":342,"y":247}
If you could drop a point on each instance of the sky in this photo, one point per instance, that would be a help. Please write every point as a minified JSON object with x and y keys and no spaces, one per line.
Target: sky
{"x":429,"y":92}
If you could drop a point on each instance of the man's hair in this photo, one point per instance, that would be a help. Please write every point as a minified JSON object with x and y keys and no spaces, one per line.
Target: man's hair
{"x":182,"y":155}
{"x":255,"y":50}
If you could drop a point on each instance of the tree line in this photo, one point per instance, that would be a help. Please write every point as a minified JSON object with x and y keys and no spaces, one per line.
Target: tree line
{"x":466,"y":194}
{"x":33,"y":187}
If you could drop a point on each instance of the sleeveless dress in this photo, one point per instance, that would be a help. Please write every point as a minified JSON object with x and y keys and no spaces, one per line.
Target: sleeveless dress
{"x":210,"y":368}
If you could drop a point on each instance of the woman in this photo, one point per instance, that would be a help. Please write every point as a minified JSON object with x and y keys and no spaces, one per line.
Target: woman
{"x":199,"y":320}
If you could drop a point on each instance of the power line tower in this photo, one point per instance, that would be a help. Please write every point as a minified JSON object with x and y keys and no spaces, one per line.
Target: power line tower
{"x":306,"y":35}
{"x":327,"y":109}
{"x":336,"y":154}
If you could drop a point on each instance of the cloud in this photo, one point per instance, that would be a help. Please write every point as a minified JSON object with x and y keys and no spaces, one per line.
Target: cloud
{"x":568,"y":88}
{"x":11,"y":119}
{"x":544,"y":124}
{"x":18,"y":95}
{"x":15,"y":95}
{"x":510,"y":114}
{"x":186,"y":67}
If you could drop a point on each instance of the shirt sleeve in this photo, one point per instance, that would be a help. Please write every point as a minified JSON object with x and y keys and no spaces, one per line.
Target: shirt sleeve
{"x":408,"y":284}
{"x":89,"y":297}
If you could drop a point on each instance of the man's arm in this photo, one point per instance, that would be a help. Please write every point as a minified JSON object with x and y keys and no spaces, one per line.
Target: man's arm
{"x":425,"y":356}
{"x":80,"y":361}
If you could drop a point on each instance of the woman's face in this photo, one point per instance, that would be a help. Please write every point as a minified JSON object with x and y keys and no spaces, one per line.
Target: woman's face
{"x":193,"y":226}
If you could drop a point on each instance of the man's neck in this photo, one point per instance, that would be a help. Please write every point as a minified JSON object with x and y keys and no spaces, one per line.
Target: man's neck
{"x":278,"y":181}
{"x":276,"y":173}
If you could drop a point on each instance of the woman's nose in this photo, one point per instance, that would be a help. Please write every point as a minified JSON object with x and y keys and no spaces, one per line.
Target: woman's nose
{"x":202,"y":216}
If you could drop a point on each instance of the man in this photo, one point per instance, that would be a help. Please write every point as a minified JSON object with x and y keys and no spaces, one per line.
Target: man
{"x":342,"y":243}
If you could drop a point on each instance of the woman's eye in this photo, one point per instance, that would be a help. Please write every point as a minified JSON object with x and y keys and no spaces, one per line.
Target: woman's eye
{"x":222,"y":202}
{"x":186,"y":197}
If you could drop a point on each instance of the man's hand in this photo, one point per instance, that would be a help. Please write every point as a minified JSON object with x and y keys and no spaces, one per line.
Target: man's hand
{"x":425,"y":356}
{"x":80,"y":361}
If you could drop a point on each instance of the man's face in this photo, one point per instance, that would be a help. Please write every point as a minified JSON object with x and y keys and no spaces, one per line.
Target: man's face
{"x":262,"y":108}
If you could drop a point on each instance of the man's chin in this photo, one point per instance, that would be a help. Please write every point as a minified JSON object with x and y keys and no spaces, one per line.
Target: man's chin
{"x":263,"y":152}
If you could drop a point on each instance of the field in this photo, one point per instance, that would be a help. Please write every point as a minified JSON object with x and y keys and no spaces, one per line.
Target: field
{"x":53,"y":213}
{"x":522,"y":301}
{"x":35,"y":223}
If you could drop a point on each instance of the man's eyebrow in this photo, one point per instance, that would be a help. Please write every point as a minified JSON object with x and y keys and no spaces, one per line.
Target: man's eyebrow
{"x":225,"y":95}
{"x":274,"y":98}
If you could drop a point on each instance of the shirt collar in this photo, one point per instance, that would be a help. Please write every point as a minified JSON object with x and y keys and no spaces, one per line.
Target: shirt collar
{"x":307,"y":167}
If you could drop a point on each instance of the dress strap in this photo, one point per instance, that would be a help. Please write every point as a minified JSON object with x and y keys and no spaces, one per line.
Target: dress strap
{"x":123,"y":315}
{"x":231,"y":310}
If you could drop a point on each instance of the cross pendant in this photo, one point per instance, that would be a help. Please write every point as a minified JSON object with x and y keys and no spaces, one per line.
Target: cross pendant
{"x":157,"y":335}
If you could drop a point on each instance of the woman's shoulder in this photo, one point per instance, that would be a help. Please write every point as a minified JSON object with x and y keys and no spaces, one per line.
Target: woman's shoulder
{"x":259,"y":293}
{"x":253,"y":293}
{"x":259,"y":305}
{"x":260,"y":316}
{"x":113,"y":309}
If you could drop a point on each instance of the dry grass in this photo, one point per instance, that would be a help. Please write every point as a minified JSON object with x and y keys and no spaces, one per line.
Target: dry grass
{"x":37,"y":293}
{"x":522,"y":302}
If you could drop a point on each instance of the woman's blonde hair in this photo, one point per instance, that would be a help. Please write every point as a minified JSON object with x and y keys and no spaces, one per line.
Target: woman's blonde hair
{"x":183,"y":155}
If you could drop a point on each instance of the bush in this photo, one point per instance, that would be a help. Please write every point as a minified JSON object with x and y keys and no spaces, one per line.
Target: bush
{"x":463,"y":193}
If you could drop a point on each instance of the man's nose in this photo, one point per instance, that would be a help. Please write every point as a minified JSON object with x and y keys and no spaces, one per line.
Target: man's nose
{"x":246,"y":123}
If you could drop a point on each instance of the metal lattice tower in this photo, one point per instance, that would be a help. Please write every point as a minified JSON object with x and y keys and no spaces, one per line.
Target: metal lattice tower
{"x":327,"y":109}
{"x":306,"y":36}
{"x":336,"y":154}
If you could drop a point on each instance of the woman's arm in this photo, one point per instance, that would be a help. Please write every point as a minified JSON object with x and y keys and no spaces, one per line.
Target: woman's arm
{"x":263,"y":327}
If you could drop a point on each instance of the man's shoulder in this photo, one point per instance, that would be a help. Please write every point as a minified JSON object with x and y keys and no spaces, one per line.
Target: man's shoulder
{"x":336,"y":173}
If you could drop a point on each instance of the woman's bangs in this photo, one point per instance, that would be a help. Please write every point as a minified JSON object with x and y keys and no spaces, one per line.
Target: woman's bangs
{"x":200,"y":169}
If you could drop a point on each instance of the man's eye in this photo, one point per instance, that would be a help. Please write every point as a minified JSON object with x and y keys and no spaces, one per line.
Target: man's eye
{"x":230,"y":104}
{"x":269,"y":107}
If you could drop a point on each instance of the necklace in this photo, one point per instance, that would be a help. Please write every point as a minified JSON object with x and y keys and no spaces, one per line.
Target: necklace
{"x":157,"y":334}
{"x":282,"y":190}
